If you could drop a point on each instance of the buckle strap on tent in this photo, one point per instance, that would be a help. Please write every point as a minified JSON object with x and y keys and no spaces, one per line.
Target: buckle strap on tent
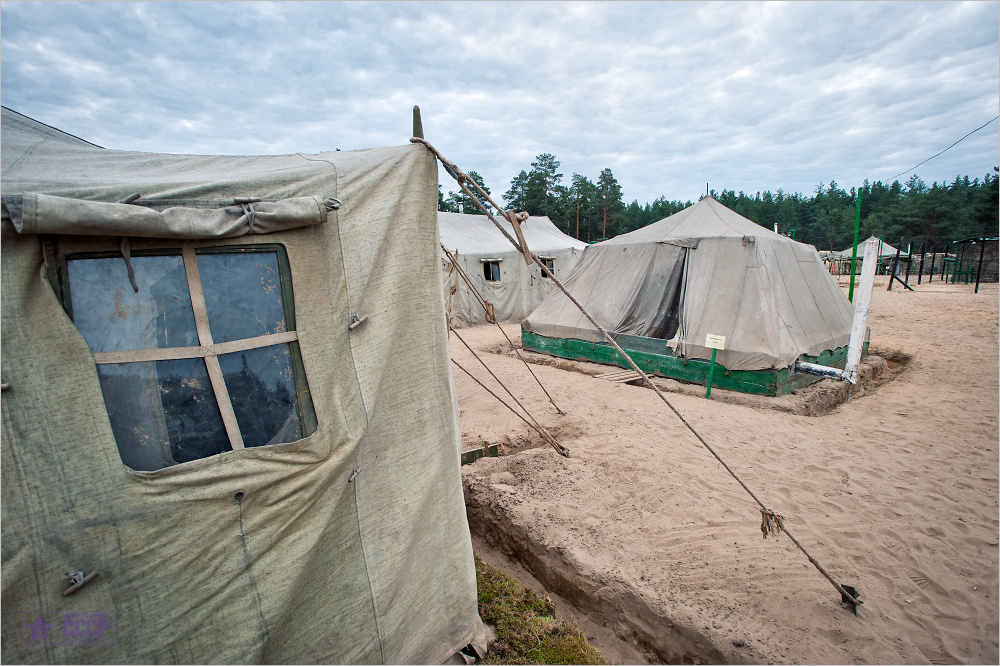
{"x":247,"y":204}
{"x":126,"y":250}
{"x":126,"y":247}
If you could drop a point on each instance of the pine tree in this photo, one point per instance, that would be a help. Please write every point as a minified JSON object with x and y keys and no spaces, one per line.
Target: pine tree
{"x":467,"y":202}
{"x":517,"y":196}
{"x":611,"y":202}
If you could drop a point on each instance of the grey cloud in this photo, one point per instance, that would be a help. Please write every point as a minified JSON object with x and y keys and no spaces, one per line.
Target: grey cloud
{"x":669,"y":95}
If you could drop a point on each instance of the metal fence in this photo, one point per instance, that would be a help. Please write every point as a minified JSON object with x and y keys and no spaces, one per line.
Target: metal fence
{"x":957,"y":262}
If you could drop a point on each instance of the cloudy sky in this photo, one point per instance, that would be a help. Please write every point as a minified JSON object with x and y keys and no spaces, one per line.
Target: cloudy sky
{"x":670,"y":96}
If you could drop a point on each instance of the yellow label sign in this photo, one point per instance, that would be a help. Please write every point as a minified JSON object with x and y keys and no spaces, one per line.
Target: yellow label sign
{"x":715,"y":341}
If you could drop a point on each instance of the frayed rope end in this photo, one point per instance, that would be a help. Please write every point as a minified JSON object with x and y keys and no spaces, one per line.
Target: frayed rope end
{"x":771,"y":523}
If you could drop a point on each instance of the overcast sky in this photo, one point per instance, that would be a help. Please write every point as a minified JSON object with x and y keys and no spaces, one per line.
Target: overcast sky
{"x":670,"y":96}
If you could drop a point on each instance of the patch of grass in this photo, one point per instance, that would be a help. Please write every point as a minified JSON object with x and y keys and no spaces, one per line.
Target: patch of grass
{"x":526,"y":627}
{"x":892,"y":355}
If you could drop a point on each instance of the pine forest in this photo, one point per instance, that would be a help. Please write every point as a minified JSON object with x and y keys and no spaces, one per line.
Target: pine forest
{"x":914,"y":211}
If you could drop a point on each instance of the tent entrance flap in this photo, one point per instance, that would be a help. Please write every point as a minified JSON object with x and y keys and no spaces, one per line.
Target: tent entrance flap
{"x":668,"y":316}
{"x":655,"y":310}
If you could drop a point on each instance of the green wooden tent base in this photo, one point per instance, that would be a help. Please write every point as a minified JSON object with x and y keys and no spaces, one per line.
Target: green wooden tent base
{"x":655,"y":357}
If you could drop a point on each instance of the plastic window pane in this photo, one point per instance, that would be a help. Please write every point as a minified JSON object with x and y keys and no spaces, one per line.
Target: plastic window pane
{"x":162,"y":412}
{"x":262,"y":390}
{"x":242,"y":294}
{"x":112,"y":317}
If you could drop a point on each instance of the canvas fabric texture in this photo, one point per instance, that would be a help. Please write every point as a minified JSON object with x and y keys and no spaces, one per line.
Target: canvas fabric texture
{"x":770,"y":296}
{"x":474,"y":238}
{"x":310,"y":567}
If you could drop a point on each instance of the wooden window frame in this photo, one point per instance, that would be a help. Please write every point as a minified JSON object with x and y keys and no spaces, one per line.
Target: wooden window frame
{"x":207,"y":349}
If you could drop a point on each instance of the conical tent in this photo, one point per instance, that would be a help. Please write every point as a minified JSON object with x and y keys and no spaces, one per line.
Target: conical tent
{"x":497,"y":270}
{"x":705,"y":270}
{"x":189,"y":413}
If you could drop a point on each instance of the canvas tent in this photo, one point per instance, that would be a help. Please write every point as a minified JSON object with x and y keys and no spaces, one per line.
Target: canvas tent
{"x":705,"y":270}
{"x":839,"y":263}
{"x":885,"y":251}
{"x":252,"y":478}
{"x":497,"y":270}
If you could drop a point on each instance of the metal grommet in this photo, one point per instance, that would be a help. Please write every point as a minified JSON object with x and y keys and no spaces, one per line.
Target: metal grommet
{"x":239,"y":495}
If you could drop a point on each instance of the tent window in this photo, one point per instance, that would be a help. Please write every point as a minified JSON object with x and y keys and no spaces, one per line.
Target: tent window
{"x":491,"y":271}
{"x":203,"y":359}
{"x":550,"y":263}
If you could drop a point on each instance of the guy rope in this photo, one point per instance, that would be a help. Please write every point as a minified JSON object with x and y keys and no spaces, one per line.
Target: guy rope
{"x":771,"y":521}
{"x":493,"y":320}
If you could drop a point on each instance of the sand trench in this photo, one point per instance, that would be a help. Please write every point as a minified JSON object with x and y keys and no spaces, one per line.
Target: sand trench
{"x":895,"y":492}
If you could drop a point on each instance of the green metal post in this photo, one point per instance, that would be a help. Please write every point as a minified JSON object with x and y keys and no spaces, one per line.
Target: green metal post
{"x":854,"y":254}
{"x":711,"y":370}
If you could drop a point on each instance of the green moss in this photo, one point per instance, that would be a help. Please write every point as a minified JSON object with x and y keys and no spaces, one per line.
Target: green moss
{"x":526,"y":627}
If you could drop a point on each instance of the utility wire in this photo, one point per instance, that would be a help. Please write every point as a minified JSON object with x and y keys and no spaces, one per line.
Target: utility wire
{"x":943,"y":151}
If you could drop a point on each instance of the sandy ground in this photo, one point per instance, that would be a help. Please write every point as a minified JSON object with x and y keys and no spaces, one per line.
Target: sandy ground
{"x":894,"y":492}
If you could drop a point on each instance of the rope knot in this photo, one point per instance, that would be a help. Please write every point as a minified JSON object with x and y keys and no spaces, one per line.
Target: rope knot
{"x":771,"y":523}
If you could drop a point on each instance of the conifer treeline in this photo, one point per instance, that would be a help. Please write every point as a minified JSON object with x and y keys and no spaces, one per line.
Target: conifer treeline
{"x":592,"y":210}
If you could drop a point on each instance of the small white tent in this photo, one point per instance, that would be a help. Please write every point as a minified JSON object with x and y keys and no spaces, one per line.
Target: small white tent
{"x":497,"y":270}
{"x":885,"y":251}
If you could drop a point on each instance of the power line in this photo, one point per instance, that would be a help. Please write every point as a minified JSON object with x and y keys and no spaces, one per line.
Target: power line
{"x":945,"y":150}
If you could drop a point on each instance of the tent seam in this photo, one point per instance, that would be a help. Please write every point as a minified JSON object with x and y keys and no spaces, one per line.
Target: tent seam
{"x":364,"y":402}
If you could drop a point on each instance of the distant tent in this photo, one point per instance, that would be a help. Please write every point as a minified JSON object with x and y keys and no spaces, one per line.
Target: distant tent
{"x":252,"y":477}
{"x":705,"y":270}
{"x":885,"y":251}
{"x":498,"y":272}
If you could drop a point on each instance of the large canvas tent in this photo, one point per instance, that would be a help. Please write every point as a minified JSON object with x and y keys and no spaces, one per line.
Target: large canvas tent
{"x":705,"y":270}
{"x":496,"y":270}
{"x":189,"y":413}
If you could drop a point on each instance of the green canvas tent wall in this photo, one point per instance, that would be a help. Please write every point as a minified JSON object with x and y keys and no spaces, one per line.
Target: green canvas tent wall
{"x":252,"y":478}
{"x":497,"y":270}
{"x":705,"y":270}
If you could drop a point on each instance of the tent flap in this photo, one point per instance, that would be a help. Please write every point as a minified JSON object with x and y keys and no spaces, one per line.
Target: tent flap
{"x":47,"y":214}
